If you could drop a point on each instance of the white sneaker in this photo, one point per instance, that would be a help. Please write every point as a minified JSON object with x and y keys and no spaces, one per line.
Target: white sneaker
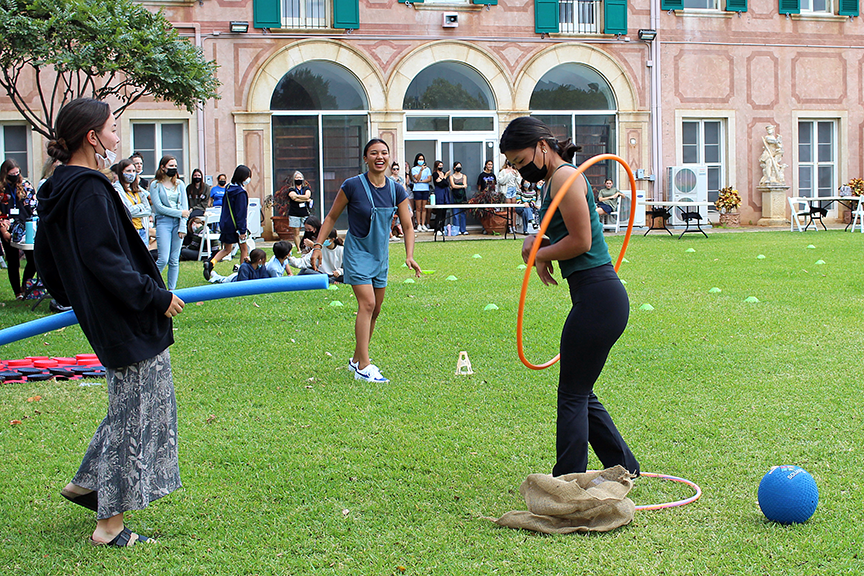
{"x":352,"y":365}
{"x":370,"y":374}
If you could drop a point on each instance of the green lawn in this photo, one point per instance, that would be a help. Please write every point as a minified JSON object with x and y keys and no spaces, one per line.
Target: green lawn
{"x":292,"y":467}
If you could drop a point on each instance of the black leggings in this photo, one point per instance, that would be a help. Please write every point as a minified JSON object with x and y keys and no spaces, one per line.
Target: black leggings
{"x":596,"y":321}
{"x":13,"y":259}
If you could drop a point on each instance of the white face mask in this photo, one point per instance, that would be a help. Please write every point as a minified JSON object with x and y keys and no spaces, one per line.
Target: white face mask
{"x":246,"y":182}
{"x":129,"y":177}
{"x":105,"y":162}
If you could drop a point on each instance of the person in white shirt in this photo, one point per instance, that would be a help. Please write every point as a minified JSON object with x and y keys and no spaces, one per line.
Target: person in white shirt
{"x":331,"y":259}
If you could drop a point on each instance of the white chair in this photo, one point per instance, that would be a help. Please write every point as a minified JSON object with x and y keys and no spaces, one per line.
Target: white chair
{"x":612,"y":221}
{"x":798,"y":213}
{"x":858,"y":215}
{"x":208,"y":235}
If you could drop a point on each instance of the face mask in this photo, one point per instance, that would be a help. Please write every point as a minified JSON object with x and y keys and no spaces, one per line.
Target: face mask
{"x":421,"y":162}
{"x":196,"y":180}
{"x":105,"y":162}
{"x":129,"y":177}
{"x":246,"y":182}
{"x":326,"y":242}
{"x":171,"y":172}
{"x":12,"y":179}
{"x":298,"y":183}
{"x":531,"y":172}
{"x":222,"y":183}
{"x":457,"y":169}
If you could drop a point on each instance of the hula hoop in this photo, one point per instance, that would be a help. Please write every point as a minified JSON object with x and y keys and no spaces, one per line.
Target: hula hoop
{"x":683,"y":502}
{"x":532,"y":257}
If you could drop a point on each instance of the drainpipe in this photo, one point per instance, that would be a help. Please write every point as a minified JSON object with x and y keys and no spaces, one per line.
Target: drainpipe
{"x":200,"y":115}
{"x":656,"y":103}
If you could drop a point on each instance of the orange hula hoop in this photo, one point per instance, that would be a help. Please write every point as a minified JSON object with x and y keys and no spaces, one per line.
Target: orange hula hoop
{"x":532,"y":257}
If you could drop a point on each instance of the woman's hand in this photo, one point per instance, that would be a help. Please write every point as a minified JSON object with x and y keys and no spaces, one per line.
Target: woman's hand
{"x":181,"y":235}
{"x":315,"y":260}
{"x":528,"y":243}
{"x":185,"y":213}
{"x":412,"y":264}
{"x":175,"y":307}
{"x":544,"y":271}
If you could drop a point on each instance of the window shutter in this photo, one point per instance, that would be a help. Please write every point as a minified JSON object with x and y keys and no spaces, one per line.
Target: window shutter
{"x":790,"y":6}
{"x":736,"y":5}
{"x":490,"y":2}
{"x":848,"y":8}
{"x":346,"y":14}
{"x":615,"y":17}
{"x":412,"y":1}
{"x":267,"y":14}
{"x":546,"y":16}
{"x":671,"y":4}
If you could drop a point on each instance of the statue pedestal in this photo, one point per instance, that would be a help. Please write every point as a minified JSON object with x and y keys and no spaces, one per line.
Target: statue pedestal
{"x":773,"y":205}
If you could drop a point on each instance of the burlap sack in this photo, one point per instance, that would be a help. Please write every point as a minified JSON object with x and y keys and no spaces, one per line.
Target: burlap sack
{"x":586,"y":502}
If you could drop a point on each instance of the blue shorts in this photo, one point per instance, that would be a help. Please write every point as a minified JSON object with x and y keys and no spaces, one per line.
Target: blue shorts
{"x":605,"y":207}
{"x":421,"y":195}
{"x":356,"y":278}
{"x":296,"y":221}
{"x":511,"y":193}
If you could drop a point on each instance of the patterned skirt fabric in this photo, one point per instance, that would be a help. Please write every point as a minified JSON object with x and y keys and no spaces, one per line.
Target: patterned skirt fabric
{"x":132,"y":458}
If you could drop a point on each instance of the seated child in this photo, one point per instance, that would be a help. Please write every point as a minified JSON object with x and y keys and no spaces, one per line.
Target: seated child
{"x":278,"y":264}
{"x":252,"y":270}
{"x":331,"y":259}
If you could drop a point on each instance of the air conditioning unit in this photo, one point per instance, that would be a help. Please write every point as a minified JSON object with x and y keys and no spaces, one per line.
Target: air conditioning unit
{"x":451,"y":20}
{"x":687,"y":184}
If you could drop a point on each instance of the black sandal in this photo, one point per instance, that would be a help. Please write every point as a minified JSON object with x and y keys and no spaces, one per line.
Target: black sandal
{"x":89,"y":500}
{"x":122,"y":540}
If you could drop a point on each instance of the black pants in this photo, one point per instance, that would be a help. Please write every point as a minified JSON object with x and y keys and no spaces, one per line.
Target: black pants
{"x":13,"y":262}
{"x":596,"y":321}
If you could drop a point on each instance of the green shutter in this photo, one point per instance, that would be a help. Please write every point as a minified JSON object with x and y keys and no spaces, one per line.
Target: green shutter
{"x":790,"y":6}
{"x":736,"y":5}
{"x":346,"y":14}
{"x":671,"y":4}
{"x":615,"y":17}
{"x":492,"y":2}
{"x":848,"y":8}
{"x":546,"y":16}
{"x":412,"y":1}
{"x":267,"y":14}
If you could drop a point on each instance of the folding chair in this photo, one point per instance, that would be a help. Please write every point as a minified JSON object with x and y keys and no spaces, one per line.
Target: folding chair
{"x":208,"y":235}
{"x":612,"y":221}
{"x":797,"y":213}
{"x":858,"y":215}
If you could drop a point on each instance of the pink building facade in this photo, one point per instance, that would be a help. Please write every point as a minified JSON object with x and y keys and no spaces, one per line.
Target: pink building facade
{"x":309,"y":81}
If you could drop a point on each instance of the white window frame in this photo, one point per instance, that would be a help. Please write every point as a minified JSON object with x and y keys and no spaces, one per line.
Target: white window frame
{"x":727,"y":118}
{"x":304,"y":21}
{"x":158,"y":152}
{"x":807,"y":7}
{"x":586,"y":15}
{"x":30,"y":172}
{"x":714,"y":8}
{"x":815,"y":164}
{"x":700,"y":147}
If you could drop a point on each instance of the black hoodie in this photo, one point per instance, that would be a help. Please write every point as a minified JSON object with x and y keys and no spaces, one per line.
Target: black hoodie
{"x":90,"y":256}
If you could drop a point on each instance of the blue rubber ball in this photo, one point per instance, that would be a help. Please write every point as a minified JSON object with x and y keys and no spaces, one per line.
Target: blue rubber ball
{"x":788,"y":495}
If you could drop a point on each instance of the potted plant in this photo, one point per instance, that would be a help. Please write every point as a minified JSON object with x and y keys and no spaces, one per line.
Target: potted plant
{"x":493,"y":221}
{"x":856,"y":188}
{"x":727,"y":203}
{"x":279,"y":203}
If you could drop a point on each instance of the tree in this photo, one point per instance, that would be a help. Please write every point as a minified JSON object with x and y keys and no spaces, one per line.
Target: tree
{"x":107,"y":49}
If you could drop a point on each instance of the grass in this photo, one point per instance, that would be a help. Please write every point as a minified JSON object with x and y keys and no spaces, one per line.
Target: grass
{"x":292,"y":467}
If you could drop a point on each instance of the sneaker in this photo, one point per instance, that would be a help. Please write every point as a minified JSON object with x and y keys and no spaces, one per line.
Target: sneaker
{"x":208,"y":268}
{"x":352,"y":365}
{"x":236,"y":267}
{"x":370,"y":374}
{"x":465,"y":233}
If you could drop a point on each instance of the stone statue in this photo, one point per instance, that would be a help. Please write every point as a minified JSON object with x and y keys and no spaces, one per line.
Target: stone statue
{"x":771,"y":159}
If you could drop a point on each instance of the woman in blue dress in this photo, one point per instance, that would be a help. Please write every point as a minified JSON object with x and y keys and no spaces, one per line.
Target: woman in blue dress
{"x":371,"y":199}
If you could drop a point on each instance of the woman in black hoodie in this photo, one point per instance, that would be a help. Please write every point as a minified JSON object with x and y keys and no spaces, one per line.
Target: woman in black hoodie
{"x":89,"y":256}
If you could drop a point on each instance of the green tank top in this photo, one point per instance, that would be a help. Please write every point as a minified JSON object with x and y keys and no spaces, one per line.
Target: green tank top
{"x":598,"y":255}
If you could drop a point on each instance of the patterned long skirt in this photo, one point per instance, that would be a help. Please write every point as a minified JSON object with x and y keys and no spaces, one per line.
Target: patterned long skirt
{"x":132,"y":458}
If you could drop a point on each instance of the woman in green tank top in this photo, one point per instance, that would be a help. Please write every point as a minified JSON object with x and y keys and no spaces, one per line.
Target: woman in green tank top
{"x":600,"y":305}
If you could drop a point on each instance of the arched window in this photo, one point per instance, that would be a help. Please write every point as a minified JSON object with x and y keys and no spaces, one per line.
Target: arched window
{"x":449,"y":86}
{"x":319,"y":85}
{"x":577,"y":102}
{"x":320,"y":125}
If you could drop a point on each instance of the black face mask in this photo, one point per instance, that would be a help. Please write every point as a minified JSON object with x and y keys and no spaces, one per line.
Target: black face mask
{"x":222,"y":183}
{"x":12,"y":179}
{"x":457,"y":169}
{"x":298,"y":183}
{"x":170,"y":172}
{"x":196,"y":180}
{"x":531,"y":172}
